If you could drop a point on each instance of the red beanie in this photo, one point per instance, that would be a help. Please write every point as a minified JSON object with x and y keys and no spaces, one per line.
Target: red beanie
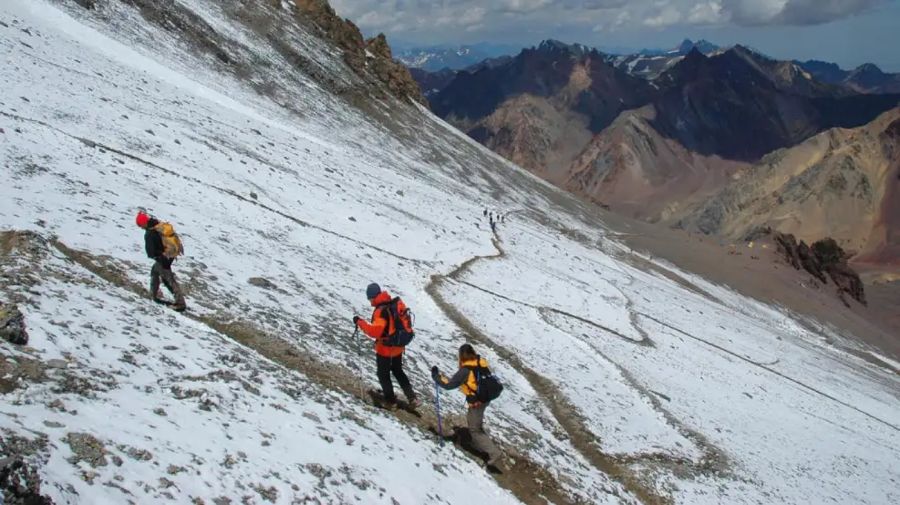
{"x":142,"y":219}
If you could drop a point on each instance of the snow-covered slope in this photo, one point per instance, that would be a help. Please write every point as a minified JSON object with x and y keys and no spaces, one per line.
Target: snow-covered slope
{"x":626,"y":380}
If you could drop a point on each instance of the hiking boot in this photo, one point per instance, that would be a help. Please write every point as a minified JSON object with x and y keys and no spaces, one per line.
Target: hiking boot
{"x":179,"y":306}
{"x":413,"y":403}
{"x":392,"y":406}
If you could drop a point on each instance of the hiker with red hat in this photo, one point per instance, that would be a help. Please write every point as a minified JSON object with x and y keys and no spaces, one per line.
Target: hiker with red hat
{"x":162,"y":245}
{"x":391,"y":328}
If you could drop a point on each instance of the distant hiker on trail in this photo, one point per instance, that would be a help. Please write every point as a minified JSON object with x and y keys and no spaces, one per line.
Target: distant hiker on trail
{"x":162,"y":245}
{"x":391,"y":328}
{"x":474,"y":379}
{"x":485,"y":213}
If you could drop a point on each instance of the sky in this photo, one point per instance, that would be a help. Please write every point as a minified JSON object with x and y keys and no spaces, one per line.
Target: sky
{"x":847,"y":32}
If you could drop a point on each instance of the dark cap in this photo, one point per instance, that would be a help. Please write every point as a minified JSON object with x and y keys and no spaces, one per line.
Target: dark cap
{"x":373,"y":290}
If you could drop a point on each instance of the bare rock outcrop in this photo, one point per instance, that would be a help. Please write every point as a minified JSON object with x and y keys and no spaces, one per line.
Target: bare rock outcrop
{"x":12,"y":325}
{"x":368,"y":59}
{"x":20,"y":483}
{"x":824,"y":260}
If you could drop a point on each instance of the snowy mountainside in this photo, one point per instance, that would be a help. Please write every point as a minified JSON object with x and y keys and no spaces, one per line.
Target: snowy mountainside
{"x":627,"y":381}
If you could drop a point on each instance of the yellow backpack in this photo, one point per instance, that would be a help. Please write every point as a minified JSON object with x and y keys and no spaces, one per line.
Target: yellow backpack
{"x":172,"y":246}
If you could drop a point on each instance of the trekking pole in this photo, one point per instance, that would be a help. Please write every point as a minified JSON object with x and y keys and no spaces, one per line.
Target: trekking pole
{"x":437,"y":409}
{"x":362,"y":387}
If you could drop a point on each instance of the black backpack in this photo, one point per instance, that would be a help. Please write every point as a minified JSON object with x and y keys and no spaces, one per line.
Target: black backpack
{"x":402,"y":321}
{"x":488,"y":387}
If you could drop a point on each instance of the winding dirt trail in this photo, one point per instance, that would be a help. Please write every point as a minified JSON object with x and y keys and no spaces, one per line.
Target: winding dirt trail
{"x":714,"y":460}
{"x":581,"y":437}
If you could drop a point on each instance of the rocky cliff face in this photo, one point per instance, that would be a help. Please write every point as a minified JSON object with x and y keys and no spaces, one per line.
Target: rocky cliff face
{"x":841,"y":184}
{"x":370,"y":59}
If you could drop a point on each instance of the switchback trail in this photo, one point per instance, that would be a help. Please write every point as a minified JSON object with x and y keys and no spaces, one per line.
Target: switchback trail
{"x":584,"y":441}
{"x":714,"y":460}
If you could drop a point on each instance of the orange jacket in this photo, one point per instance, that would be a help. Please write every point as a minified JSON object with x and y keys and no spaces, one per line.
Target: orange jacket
{"x":376,"y":329}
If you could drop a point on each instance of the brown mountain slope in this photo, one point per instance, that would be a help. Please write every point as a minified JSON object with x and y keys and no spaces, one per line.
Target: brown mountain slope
{"x":540,"y":108}
{"x":640,"y":173}
{"x":842,"y":183}
{"x":535,"y":133}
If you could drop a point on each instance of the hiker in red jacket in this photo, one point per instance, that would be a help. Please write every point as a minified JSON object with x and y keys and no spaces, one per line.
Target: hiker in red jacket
{"x":163,"y":246}
{"x":389,"y":359}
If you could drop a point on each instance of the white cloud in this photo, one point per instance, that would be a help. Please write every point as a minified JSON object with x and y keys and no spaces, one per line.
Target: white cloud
{"x":793,"y":12}
{"x":537,"y":16}
{"x":523,"y":5}
{"x":665,"y":15}
{"x":706,"y":13}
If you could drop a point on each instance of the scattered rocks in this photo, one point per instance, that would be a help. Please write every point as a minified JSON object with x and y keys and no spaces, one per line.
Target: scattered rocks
{"x":135,"y":453}
{"x":20,"y":483}
{"x":12,"y":324}
{"x":263,"y":283}
{"x":57,"y":405}
{"x":19,"y":372}
{"x":86,"y":448}
{"x":270,"y":494}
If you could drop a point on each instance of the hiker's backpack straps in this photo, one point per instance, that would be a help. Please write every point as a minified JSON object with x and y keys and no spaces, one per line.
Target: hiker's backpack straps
{"x":386,"y":315}
{"x":398,"y":332}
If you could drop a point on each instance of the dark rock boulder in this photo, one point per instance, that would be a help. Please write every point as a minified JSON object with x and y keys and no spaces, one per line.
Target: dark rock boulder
{"x":810,"y":262}
{"x":833,"y":261}
{"x":12,"y":325}
{"x":824,"y":260}
{"x":20,"y":483}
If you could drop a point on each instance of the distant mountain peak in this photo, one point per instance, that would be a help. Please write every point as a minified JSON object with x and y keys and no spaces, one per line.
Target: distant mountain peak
{"x":869,"y":69}
{"x":695,"y":55}
{"x":703,"y":45}
{"x":743,"y":50}
{"x":553,"y":45}
{"x":686,"y":46}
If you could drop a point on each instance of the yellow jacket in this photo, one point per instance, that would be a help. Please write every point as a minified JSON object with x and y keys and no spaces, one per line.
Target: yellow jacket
{"x":464,"y":379}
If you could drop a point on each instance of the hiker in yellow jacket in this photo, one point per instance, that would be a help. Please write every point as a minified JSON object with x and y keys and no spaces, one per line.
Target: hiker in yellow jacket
{"x":466,"y":379}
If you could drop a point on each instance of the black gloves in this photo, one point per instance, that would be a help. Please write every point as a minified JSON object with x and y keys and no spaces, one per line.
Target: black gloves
{"x":435,"y":374}
{"x":355,"y":320}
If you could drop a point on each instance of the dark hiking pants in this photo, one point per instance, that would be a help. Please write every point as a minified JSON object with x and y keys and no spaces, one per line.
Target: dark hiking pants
{"x":480,"y":440}
{"x":162,"y":271}
{"x":387,"y":366}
